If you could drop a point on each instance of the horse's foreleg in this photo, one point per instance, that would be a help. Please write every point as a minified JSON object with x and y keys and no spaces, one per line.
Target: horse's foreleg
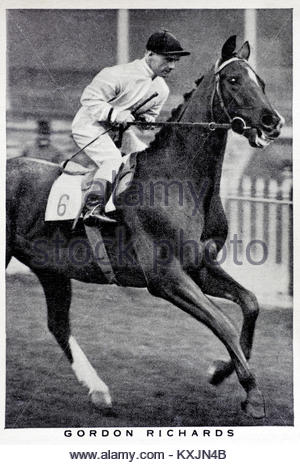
{"x":216,"y":282}
{"x":57,"y":290}
{"x":177,"y":287}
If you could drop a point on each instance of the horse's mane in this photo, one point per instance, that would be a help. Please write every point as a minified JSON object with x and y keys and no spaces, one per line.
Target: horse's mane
{"x":175,"y":115}
{"x":176,"y":112}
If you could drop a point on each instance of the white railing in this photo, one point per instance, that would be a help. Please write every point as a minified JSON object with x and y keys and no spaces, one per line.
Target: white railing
{"x":260,"y":221}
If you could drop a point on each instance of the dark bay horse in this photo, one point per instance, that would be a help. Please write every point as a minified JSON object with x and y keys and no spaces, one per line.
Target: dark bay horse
{"x":173,"y":223}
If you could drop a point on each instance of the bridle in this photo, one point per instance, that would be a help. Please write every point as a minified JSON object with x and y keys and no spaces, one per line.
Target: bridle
{"x":237,"y":123}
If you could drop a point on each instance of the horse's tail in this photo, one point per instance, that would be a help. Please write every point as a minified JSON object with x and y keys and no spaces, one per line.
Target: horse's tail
{"x":12,"y":182}
{"x":27,"y":186}
{"x":9,"y":242}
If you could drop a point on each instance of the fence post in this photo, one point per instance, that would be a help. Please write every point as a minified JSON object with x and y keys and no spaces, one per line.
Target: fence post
{"x":287,"y":219}
{"x":232,"y":212}
{"x":245,"y":207}
{"x":273,"y":191}
{"x":258,"y":213}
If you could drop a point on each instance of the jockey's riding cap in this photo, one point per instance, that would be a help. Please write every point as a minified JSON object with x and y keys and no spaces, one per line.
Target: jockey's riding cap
{"x":164,"y":43}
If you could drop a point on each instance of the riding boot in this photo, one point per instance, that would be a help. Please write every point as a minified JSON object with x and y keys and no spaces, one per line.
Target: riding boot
{"x":94,"y":209}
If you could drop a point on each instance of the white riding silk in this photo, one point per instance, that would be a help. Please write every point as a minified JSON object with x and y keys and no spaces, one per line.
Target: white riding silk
{"x":115,"y":89}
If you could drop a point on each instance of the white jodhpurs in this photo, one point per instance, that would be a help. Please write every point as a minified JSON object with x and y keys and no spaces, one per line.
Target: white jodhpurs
{"x":103,"y":152}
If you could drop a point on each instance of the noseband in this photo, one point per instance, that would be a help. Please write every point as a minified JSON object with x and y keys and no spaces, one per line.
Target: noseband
{"x":237,"y":123}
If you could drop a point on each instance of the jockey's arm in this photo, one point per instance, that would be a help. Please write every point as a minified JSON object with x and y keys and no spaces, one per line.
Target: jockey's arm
{"x":152,"y":113}
{"x":96,"y":97}
{"x":104,"y":88}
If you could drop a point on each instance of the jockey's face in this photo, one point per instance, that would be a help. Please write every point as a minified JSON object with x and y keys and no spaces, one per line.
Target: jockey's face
{"x":161,"y":65}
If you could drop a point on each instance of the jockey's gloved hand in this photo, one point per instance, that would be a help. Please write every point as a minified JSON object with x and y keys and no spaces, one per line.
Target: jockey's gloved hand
{"x":124,"y":117}
{"x":144,"y":119}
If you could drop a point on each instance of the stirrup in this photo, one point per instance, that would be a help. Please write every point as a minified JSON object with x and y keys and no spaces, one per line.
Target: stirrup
{"x":92,"y":217}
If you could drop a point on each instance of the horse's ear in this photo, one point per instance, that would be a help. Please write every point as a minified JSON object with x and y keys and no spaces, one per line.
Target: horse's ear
{"x":229,"y":48}
{"x":244,"y":51}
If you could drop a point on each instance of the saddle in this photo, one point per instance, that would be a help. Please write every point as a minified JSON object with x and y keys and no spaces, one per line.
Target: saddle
{"x":67,"y":198}
{"x":67,"y":195}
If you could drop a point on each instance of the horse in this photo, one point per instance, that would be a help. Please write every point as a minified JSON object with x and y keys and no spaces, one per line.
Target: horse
{"x":165,"y":243}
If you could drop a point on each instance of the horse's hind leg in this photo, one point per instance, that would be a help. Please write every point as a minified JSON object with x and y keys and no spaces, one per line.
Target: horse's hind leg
{"x":57,"y":290}
{"x":216,"y":282}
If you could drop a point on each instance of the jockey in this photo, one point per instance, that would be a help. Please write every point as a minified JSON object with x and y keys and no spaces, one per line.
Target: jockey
{"x":110,"y":100}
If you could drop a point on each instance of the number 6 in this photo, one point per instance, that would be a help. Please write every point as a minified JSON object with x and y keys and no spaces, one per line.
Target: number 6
{"x":61,"y":207}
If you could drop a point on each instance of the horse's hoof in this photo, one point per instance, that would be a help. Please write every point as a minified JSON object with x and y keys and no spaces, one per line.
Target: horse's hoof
{"x":101,"y":400}
{"x":218,"y":371}
{"x":254,"y":405}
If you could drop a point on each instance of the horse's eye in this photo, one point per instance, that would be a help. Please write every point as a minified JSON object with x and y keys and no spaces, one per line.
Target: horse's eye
{"x":233,"y":80}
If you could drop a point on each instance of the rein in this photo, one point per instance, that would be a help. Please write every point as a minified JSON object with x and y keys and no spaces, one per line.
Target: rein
{"x":212,"y":126}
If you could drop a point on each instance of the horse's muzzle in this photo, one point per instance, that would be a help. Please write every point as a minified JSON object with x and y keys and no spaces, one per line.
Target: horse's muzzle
{"x":267,"y":131}
{"x":271,"y":123}
{"x":258,"y":138}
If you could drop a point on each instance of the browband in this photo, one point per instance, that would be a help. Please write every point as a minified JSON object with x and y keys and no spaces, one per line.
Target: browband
{"x":219,"y":68}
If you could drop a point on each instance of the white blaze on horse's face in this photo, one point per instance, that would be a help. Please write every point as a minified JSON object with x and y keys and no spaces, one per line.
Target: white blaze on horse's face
{"x":252,"y":76}
{"x":281,"y":119}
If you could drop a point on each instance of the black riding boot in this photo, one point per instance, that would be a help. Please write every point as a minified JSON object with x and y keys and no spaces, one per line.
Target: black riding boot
{"x":96,"y":198}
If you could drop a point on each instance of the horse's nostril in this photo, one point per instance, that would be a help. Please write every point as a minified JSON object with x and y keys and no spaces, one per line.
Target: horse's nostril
{"x":269,"y":120}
